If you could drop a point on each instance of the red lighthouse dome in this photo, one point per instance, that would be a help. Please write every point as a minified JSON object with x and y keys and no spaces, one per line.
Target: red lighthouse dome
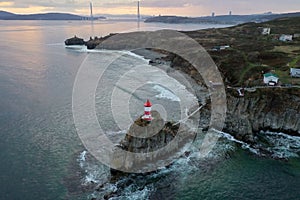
{"x":148,"y":103}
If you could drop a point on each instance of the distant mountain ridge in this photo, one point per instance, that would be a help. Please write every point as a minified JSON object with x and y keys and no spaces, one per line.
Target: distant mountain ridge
{"x":43,"y":16}
{"x":222,"y":19}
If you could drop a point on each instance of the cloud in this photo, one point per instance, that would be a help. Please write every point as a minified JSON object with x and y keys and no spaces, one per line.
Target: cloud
{"x":6,"y":3}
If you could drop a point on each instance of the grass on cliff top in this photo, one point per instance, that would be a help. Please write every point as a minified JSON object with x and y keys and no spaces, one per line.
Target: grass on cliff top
{"x":252,"y":53}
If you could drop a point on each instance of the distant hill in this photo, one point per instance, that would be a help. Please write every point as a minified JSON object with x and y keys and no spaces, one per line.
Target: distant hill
{"x":222,"y":19}
{"x":4,"y":14}
{"x":45,"y":16}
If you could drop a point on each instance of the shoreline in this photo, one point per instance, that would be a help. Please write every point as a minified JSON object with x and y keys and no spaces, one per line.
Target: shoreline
{"x":239,"y":110}
{"x":241,"y":130}
{"x":245,"y":128}
{"x":267,"y":108}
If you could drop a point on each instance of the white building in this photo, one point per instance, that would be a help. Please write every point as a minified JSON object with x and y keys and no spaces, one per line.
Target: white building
{"x":266,"y":31}
{"x":295,"y":72}
{"x":286,"y":38}
{"x":296,"y":35}
{"x":219,"y":48}
{"x":271,"y":79}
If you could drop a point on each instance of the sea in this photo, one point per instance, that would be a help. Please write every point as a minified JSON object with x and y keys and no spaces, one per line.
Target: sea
{"x":43,"y":157}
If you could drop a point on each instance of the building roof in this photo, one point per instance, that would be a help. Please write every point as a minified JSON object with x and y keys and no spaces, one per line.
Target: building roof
{"x":295,"y":69}
{"x":270,"y":74}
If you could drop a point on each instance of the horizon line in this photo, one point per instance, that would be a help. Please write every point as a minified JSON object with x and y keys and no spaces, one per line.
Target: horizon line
{"x":131,"y":14}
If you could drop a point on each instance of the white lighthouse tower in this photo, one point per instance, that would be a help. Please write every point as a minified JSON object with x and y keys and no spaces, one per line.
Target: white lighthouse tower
{"x":147,"y":111}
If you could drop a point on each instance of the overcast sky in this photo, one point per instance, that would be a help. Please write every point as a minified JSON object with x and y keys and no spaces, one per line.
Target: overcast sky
{"x":153,"y":7}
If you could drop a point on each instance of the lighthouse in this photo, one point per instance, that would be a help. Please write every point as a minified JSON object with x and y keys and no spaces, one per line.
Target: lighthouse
{"x":147,"y":111}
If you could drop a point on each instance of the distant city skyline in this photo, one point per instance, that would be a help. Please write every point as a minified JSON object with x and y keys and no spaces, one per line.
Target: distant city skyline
{"x":152,"y":7}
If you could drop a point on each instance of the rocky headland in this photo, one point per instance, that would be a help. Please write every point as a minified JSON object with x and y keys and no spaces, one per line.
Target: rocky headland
{"x":260,"y":109}
{"x":249,"y":54}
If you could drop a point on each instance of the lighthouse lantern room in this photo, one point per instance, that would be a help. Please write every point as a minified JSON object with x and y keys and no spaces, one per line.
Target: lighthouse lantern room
{"x":147,"y":111}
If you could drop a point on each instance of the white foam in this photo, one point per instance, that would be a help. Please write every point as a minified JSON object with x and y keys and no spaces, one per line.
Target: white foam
{"x":84,"y":49}
{"x":137,"y":56}
{"x":82,"y":158}
{"x":91,"y":178}
{"x":296,"y":138}
{"x":244,"y":145}
{"x":140,"y":194}
{"x":282,"y":145}
{"x":80,"y":48}
{"x":165,"y":94}
{"x":95,"y":174}
{"x":116,"y":132}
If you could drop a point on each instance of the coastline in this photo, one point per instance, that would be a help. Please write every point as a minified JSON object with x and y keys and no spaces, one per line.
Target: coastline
{"x":255,"y":111}
{"x":265,"y":109}
{"x":250,"y":120}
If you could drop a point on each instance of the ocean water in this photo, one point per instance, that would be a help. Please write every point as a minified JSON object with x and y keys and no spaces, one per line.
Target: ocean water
{"x":42,"y":156}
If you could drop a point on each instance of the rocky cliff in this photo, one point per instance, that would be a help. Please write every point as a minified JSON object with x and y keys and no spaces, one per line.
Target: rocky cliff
{"x":270,"y":108}
{"x":143,"y":137}
{"x":274,"y":109}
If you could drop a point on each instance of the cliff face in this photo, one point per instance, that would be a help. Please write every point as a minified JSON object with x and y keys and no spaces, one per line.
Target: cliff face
{"x":143,"y":137}
{"x":274,"y":109}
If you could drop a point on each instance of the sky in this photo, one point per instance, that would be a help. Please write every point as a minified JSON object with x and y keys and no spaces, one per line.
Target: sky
{"x":152,"y":7}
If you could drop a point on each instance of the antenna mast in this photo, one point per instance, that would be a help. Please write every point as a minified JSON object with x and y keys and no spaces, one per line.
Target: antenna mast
{"x":91,"y":8}
{"x":138,"y":10}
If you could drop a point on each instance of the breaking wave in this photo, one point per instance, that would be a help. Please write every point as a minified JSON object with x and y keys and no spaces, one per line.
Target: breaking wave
{"x":271,"y":144}
{"x":94,"y":172}
{"x":165,"y":94}
{"x":281,"y":145}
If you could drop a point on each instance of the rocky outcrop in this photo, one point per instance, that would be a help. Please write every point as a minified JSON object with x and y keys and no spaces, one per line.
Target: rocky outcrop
{"x":92,"y":43}
{"x":74,"y":41}
{"x":150,"y":137}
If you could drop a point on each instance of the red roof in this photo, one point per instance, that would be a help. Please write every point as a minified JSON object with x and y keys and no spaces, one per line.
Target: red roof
{"x":148,"y":103}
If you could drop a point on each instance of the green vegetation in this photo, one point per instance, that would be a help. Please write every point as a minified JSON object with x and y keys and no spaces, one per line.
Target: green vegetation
{"x":295,"y":63}
{"x":251,"y":53}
